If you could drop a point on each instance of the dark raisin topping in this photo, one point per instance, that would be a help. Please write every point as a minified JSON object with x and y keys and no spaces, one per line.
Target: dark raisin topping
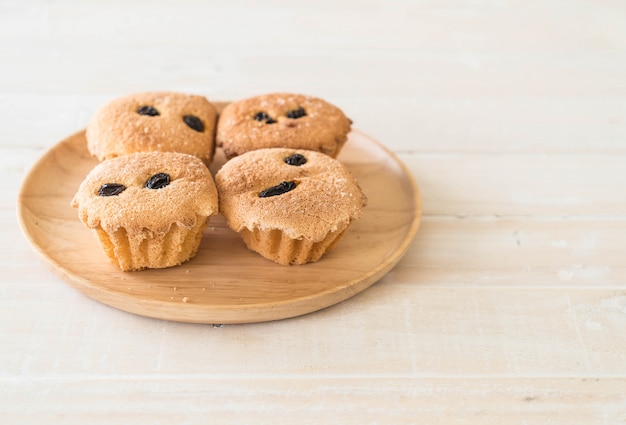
{"x":296,"y":113}
{"x":111,"y":189}
{"x":194,"y":123}
{"x":296,"y":159}
{"x":148,"y":110}
{"x":263,"y":117}
{"x":158,"y":181}
{"x":279,"y":189}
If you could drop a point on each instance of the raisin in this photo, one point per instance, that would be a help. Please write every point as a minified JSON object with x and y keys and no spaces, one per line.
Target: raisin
{"x":194,"y":123}
{"x":263,"y":117}
{"x":296,"y":159}
{"x":148,"y":110}
{"x":158,"y":181}
{"x":296,"y":113}
{"x":111,"y":189}
{"x":279,"y":189}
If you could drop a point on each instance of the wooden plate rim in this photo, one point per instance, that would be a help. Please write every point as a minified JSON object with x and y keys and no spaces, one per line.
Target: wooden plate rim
{"x":225,"y":313}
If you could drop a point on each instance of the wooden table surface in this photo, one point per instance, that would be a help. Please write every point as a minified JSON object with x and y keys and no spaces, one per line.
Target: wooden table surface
{"x":509,"y":306}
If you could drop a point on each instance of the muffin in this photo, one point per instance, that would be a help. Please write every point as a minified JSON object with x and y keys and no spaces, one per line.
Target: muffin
{"x":155,"y":121}
{"x":149,"y":210}
{"x":290,"y":205}
{"x":282,"y":120}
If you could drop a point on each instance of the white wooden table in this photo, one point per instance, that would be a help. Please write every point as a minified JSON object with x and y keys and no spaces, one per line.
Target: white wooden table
{"x":510,"y":305}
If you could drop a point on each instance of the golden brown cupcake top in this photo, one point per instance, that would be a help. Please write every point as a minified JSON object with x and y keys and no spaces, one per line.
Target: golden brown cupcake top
{"x":146,"y":191}
{"x":155,"y":121}
{"x":282,"y":120}
{"x":303,"y":193}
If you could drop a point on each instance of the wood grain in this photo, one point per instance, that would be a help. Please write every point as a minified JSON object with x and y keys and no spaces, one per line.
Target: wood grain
{"x":345,"y":400}
{"x":406,"y":329}
{"x":509,"y":307}
{"x":506,"y":252}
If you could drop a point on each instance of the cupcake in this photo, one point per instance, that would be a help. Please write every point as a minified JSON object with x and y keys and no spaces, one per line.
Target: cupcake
{"x":148,"y":210}
{"x":154,"y":122}
{"x":290,"y":205}
{"x":282,"y":120}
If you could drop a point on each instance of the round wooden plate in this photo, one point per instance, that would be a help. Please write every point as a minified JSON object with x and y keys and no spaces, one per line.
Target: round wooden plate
{"x":225,"y":282}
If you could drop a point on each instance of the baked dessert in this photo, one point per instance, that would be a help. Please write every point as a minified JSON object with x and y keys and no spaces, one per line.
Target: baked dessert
{"x":154,"y":121}
{"x":289,"y":205}
{"x":282,"y":120}
{"x":149,"y":210}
